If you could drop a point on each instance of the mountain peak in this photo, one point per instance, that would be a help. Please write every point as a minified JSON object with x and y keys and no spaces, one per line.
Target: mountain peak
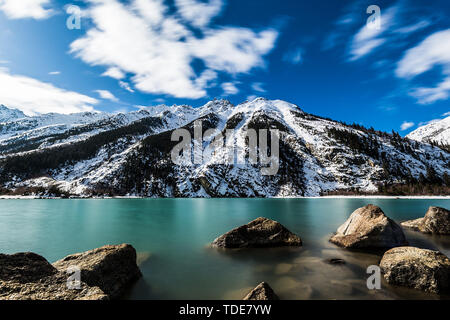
{"x":436,"y":131}
{"x":8,"y":114}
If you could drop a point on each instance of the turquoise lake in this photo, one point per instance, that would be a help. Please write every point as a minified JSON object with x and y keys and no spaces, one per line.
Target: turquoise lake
{"x":172,"y":237}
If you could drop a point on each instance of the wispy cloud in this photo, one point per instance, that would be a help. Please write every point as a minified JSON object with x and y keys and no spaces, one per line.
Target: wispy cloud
{"x":414,"y":27}
{"x":115,"y":73}
{"x":107,"y":95}
{"x":258,"y":87}
{"x":369,"y":38}
{"x":431,"y":52}
{"x":157,"y":48}
{"x":406,"y":125}
{"x":294,"y":56}
{"x":126,"y":86}
{"x":19,"y":9}
{"x":229,"y":88}
{"x":199,"y":13}
{"x":54,"y":73}
{"x":40,"y":97}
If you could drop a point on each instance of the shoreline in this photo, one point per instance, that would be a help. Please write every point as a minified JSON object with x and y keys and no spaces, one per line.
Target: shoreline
{"x":7,"y":197}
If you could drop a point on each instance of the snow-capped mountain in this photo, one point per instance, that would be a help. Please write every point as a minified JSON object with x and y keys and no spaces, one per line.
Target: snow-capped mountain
{"x":437,"y":132}
{"x":130,"y":154}
{"x":7,"y":114}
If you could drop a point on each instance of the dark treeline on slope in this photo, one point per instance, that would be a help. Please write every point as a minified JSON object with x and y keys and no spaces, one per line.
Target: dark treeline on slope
{"x":38,"y":163}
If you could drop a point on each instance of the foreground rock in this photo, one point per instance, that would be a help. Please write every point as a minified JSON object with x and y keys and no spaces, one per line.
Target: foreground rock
{"x":105,"y":274}
{"x":111,"y":268}
{"x":262,"y":292}
{"x":369,"y":227}
{"x":421,"y":269}
{"x":261,"y":232}
{"x":436,"y":221}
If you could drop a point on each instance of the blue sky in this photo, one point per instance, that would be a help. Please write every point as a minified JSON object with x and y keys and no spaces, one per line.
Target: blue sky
{"x":320,"y":55}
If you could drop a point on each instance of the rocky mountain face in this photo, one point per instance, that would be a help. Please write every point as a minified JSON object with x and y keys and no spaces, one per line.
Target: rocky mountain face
{"x":95,"y":154}
{"x":437,"y":132}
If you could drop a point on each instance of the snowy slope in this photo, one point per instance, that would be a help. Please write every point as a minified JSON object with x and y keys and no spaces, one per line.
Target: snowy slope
{"x":438,"y":132}
{"x":7,"y":114}
{"x":129,"y":154}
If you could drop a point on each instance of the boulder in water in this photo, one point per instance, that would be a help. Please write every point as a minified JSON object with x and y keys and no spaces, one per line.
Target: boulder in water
{"x":261,"y":232}
{"x":436,"y":221}
{"x":369,"y":227}
{"x":426,"y":270}
{"x":262,"y":292}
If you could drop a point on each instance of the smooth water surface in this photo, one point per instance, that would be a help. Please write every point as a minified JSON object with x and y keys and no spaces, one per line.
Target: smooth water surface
{"x":172,"y":237}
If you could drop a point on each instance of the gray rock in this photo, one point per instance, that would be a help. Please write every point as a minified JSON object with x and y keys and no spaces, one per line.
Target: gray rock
{"x":262,"y":292}
{"x":261,"y":232}
{"x":105,"y":273}
{"x":369,"y":227}
{"x":436,"y":221}
{"x":421,"y":269}
{"x":111,"y":268}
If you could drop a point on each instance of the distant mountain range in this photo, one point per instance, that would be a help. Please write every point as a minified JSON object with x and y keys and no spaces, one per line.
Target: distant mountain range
{"x":97,"y":154}
{"x":437,"y":132}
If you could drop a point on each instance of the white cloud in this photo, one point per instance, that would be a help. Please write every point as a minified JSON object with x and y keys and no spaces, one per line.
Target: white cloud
{"x":251,"y":97}
{"x":107,"y":95}
{"x":431,"y":52}
{"x":33,"y":96}
{"x":229,"y":88}
{"x":19,"y":9}
{"x":258,"y":87}
{"x":115,"y":73}
{"x":446,"y":114}
{"x":157,"y":49}
{"x":431,"y":95}
{"x":414,"y":27}
{"x":434,"y":50}
{"x":406,"y":125}
{"x":368,"y":38}
{"x":295,"y":56}
{"x":199,"y":13}
{"x":54,"y":73}
{"x":126,"y":86}
{"x":234,"y":50}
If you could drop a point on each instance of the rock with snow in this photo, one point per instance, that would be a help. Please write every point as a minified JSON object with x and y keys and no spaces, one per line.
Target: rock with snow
{"x":416,"y":268}
{"x":262,"y":292}
{"x":436,"y":131}
{"x":436,"y":221}
{"x":261,"y":232}
{"x":369,"y":227}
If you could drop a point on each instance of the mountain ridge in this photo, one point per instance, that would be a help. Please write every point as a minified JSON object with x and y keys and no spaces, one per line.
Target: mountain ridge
{"x":435,"y":132}
{"x":129,"y":155}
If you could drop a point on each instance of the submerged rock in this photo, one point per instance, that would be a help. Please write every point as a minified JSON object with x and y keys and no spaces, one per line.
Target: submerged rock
{"x":261,"y":232}
{"x":262,"y":292}
{"x":335,"y":261}
{"x":111,"y":268}
{"x":436,"y":221}
{"x":105,"y":274}
{"x":421,"y":269}
{"x":369,"y":227}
